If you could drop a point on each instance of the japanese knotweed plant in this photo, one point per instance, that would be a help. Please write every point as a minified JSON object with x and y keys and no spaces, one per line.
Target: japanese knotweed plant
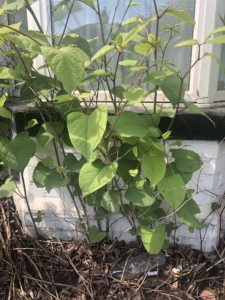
{"x":126,"y":161}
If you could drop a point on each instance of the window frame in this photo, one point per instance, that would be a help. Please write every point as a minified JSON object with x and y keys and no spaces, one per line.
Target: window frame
{"x":203,"y":76}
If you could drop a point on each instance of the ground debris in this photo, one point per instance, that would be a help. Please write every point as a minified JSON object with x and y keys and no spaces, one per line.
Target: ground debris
{"x":77,"y":270}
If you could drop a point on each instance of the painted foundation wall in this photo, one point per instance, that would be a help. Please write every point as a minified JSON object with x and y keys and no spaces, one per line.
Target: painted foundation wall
{"x":60,"y":219}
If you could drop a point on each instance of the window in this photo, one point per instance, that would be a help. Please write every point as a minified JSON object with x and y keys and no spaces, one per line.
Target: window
{"x":205,"y":76}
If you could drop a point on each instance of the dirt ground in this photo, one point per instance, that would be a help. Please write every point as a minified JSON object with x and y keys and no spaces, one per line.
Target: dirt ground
{"x":36,"y":269}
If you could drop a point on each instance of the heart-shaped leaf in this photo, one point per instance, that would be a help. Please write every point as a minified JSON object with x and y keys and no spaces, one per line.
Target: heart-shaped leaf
{"x":17,"y":153}
{"x":86,"y":131}
{"x":95,"y":235}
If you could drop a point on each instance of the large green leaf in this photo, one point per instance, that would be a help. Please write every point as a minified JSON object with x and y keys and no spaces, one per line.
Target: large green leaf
{"x":95,"y":175}
{"x":7,"y":73}
{"x":67,"y":64}
{"x":86,"y":131}
{"x":129,"y":124}
{"x":139,"y":193}
{"x":54,"y":179}
{"x":173,"y":88}
{"x":110,"y":200}
{"x":216,"y":59}
{"x":186,"y":160}
{"x":95,"y":235}
{"x":156,"y":77}
{"x":17,"y":153}
{"x":173,"y":190}
{"x":183,"y":15}
{"x":153,"y":239}
{"x":154,"y":167}
{"x":23,"y":42}
{"x":187,"y":214}
{"x":7,"y":189}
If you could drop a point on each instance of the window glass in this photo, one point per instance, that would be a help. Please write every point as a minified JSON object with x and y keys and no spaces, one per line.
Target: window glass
{"x":85,"y":22}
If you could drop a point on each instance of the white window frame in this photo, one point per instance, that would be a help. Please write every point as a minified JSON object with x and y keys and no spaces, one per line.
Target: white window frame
{"x":203,"y":76}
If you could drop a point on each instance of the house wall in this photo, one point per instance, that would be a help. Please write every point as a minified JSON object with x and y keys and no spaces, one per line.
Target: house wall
{"x":60,"y":218}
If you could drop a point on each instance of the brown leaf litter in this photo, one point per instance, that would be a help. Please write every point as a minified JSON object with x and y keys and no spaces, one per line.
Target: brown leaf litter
{"x":77,"y":270}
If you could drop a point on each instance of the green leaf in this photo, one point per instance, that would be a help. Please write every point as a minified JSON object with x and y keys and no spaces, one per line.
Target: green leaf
{"x":129,"y":124}
{"x":67,"y":64}
{"x":100,"y":213}
{"x":218,"y":40}
{"x":60,"y":4}
{"x":48,"y":132}
{"x":133,"y":3}
{"x":41,"y":38}
{"x":5,"y":30}
{"x":40,"y":174}
{"x":217,"y":60}
{"x":7,"y":189}
{"x":187,"y":214}
{"x":128,"y":152}
{"x":143,"y":49}
{"x":48,"y":161}
{"x":166,"y":135}
{"x":153,"y":239}
{"x":70,"y":163}
{"x":86,"y":131}
{"x":133,"y":173}
{"x":17,"y":153}
{"x":95,"y":199}
{"x":172,"y":169}
{"x":124,"y":166}
{"x":73,"y":39}
{"x":54,"y":179}
{"x":119,"y":90}
{"x":154,"y":167}
{"x":173,"y":88}
{"x":139,"y":193}
{"x":110,"y":200}
{"x":155,"y":77}
{"x":15,"y":4}
{"x":36,"y":87}
{"x":24,"y":42}
{"x":134,"y":32}
{"x":128,"y":63}
{"x":186,"y":160}
{"x":103,"y":51}
{"x":134,"y":97}
{"x":215,"y":206}
{"x":95,"y":175}
{"x":95,"y":235}
{"x":169,"y":228}
{"x":31,"y":123}
{"x":195,"y":109}
{"x":173,"y":190}
{"x":191,"y":42}
{"x":89,"y":2}
{"x":218,"y":30}
{"x":183,"y":15}
{"x":7,"y":73}
{"x":138,"y":68}
{"x":97,"y":73}
{"x":5,"y":113}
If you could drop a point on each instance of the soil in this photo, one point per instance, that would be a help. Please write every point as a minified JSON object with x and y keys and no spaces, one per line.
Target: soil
{"x":43,"y":269}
